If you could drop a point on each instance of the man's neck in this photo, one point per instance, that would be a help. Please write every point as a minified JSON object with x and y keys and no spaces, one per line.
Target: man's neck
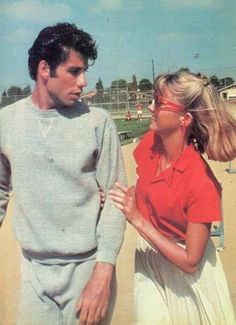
{"x":42,"y":100}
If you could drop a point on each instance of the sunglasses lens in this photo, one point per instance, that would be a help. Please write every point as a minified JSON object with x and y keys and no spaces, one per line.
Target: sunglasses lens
{"x":164,"y":104}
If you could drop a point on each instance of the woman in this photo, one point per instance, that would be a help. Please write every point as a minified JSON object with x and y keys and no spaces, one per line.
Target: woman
{"x":179,"y":277}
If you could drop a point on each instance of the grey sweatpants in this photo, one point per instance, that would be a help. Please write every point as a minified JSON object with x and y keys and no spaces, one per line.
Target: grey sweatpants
{"x":49,"y":293}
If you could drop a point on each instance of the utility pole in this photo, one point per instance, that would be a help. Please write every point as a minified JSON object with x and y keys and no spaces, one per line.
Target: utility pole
{"x":153,"y":73}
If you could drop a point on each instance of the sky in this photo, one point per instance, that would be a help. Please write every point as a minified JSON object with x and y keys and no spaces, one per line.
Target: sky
{"x":133,"y":36}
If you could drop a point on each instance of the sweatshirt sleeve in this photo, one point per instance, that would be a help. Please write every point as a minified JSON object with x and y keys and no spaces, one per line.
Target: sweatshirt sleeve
{"x":4,"y":185}
{"x":110,"y":168}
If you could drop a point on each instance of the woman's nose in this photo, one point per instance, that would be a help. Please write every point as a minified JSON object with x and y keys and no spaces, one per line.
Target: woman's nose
{"x":151,"y":107}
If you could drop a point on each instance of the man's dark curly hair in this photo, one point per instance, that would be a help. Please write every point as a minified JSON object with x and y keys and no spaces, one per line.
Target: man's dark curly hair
{"x":53,"y":44}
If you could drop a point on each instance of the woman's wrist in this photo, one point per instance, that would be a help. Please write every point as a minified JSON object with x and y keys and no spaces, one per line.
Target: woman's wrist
{"x":137,"y":221}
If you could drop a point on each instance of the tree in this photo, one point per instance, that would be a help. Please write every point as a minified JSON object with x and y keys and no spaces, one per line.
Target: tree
{"x":26,"y":90}
{"x":224,"y":82}
{"x":13,"y":94}
{"x":14,"y":90}
{"x":121,"y":83}
{"x":186,"y":69}
{"x":134,"y":83}
{"x":3,"y":99}
{"x":215,"y":81}
{"x":99,"y":85}
{"x":133,"y":87}
{"x":100,"y":93}
{"x":145,"y":85}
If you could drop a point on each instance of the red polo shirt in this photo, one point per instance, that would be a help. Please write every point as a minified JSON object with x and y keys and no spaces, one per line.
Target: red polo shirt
{"x":186,"y":192}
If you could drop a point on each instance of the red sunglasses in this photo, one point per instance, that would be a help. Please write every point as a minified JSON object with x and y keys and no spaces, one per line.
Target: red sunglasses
{"x":164,"y":104}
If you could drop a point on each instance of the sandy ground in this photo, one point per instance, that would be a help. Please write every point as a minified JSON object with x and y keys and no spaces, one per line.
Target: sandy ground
{"x":9,"y":252}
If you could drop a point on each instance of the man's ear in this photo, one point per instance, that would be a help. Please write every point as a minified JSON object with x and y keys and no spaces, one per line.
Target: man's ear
{"x":186,"y":120}
{"x":44,"y":69}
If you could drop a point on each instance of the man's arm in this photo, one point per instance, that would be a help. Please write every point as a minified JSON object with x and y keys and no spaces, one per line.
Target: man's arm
{"x":110,"y":169}
{"x":94,"y":299}
{"x":5,"y":175}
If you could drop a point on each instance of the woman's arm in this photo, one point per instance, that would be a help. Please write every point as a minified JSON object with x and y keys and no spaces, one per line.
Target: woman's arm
{"x":187,"y":259}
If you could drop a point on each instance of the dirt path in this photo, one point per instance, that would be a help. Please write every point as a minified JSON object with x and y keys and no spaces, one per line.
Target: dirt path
{"x":9,"y":271}
{"x":9,"y":253}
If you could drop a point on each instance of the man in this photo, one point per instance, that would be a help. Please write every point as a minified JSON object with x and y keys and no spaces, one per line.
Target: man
{"x":58,"y":152}
{"x":139,"y":109}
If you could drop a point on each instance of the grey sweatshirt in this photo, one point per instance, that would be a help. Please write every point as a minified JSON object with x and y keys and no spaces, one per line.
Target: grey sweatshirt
{"x":55,"y":160}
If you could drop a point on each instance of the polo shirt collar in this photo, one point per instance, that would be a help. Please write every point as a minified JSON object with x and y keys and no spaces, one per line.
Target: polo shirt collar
{"x":180,"y":165}
{"x":188,"y":154}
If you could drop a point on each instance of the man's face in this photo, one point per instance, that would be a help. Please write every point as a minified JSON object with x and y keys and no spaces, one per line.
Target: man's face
{"x":69,"y":80}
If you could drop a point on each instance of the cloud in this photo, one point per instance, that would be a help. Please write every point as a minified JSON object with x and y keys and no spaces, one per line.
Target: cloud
{"x":184,"y":37}
{"x":178,"y":4}
{"x":169,"y":37}
{"x":19,"y":35}
{"x":107,"y":5}
{"x":111,"y":5}
{"x":99,"y":6}
{"x":36,"y":10}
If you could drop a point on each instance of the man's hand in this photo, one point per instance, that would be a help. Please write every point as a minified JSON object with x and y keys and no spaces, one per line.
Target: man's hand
{"x":93,"y":302}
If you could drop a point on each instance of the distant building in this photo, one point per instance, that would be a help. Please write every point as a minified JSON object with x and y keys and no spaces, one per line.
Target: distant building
{"x":228,"y":93}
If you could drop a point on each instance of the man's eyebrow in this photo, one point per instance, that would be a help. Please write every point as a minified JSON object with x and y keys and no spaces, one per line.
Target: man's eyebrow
{"x":76,"y":68}
{"x":73,"y":67}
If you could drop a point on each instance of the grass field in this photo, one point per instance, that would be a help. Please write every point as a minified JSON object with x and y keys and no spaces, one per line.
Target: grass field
{"x":137,"y":129}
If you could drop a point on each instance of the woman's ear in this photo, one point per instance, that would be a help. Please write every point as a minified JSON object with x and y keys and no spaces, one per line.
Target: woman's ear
{"x":186,"y":120}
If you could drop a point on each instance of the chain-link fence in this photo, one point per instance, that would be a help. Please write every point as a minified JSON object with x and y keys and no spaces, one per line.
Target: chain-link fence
{"x":7,"y":100}
{"x":117,"y":101}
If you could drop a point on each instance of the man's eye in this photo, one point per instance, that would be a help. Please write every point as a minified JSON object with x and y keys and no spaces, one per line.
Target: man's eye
{"x":75,"y":72}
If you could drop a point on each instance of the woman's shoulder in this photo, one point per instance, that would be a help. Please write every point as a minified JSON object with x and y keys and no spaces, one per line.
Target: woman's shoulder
{"x":202,"y":179}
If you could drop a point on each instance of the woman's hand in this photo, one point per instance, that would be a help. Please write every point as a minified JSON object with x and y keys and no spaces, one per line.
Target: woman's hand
{"x":125,"y":200}
{"x":102,"y":197}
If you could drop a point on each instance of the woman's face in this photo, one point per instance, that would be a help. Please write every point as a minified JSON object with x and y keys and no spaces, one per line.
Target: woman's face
{"x":166,"y":112}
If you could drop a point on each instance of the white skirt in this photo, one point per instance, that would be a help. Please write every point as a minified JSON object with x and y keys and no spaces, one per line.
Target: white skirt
{"x":166,"y":295}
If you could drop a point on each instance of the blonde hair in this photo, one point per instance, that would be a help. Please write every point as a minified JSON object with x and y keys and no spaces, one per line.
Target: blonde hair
{"x":213,"y":129}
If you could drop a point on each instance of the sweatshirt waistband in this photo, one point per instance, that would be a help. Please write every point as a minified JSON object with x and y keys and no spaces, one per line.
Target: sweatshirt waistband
{"x":59,"y":259}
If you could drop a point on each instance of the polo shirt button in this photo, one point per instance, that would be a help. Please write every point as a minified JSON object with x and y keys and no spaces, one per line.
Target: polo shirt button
{"x":51,"y":160}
